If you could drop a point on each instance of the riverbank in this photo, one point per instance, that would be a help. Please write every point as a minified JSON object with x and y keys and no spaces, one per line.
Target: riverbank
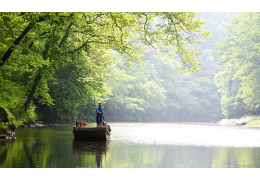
{"x":249,"y":121}
{"x":11,"y":135}
{"x":255,"y":122}
{"x":34,"y":125}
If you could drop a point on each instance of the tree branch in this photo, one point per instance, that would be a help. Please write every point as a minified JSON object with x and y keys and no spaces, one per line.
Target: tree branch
{"x":16,"y":42}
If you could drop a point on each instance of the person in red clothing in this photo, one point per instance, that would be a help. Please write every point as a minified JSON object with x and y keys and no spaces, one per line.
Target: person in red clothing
{"x":82,"y":124}
{"x":85,"y":124}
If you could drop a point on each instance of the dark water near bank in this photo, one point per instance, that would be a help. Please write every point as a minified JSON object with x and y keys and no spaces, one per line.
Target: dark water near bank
{"x":135,"y":145}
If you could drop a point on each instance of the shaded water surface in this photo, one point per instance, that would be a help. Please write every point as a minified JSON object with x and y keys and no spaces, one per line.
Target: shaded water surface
{"x":135,"y":145}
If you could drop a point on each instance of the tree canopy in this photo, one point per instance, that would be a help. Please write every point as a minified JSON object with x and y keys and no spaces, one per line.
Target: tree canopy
{"x":239,"y":76}
{"x":53,"y":63}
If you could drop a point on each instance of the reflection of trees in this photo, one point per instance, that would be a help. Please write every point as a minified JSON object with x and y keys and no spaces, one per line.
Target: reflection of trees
{"x":4,"y":147}
{"x":221,"y":158}
{"x":228,"y":157}
{"x":246,"y":159}
{"x":36,"y":152}
{"x":49,"y":147}
{"x":28,"y":155}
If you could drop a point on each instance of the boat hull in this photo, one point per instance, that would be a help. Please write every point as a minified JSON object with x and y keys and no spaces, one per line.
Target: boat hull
{"x":91,"y":134}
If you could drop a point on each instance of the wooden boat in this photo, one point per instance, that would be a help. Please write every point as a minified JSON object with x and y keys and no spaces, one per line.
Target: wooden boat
{"x":91,"y":133}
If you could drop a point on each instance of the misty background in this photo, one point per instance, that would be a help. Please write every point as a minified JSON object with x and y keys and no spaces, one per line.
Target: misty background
{"x":150,"y":90}
{"x":154,"y":91}
{"x":157,"y":92}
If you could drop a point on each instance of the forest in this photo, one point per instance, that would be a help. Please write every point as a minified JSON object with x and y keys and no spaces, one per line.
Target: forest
{"x":143,"y":66}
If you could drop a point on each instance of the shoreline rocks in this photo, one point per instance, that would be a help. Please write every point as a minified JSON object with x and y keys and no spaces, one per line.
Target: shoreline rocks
{"x":33,"y":125}
{"x":6,"y":137}
{"x":11,"y":136}
{"x":237,"y":121}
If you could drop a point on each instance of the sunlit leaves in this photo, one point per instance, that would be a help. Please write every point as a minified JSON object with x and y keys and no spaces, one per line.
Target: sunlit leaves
{"x":240,"y":65}
{"x":80,"y":46}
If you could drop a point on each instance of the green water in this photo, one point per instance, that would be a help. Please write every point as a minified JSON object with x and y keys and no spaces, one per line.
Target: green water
{"x":135,"y":145}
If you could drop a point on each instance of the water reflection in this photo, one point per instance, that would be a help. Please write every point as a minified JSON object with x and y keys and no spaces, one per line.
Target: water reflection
{"x":4,"y":147}
{"x":99,"y":159}
{"x":98,"y":149}
{"x":135,"y":145}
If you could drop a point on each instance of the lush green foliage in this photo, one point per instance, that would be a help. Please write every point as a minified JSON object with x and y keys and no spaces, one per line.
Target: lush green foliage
{"x":52,"y":64}
{"x":157,"y":92}
{"x":238,"y":81}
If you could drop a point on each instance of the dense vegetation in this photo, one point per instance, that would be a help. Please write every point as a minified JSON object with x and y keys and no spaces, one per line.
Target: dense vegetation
{"x":157,"y":92}
{"x":53,"y":65}
{"x":57,"y":66}
{"x":238,"y":80}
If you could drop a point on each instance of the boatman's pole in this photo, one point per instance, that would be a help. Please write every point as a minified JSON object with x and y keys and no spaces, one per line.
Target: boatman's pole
{"x":103,"y":113}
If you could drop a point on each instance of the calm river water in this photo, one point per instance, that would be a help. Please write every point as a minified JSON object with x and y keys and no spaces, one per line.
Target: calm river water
{"x":135,"y":145}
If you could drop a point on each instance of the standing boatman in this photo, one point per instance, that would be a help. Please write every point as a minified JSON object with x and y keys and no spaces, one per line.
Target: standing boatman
{"x":100,"y":114}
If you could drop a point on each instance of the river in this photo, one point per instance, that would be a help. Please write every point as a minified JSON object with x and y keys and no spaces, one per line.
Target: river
{"x":135,"y":145}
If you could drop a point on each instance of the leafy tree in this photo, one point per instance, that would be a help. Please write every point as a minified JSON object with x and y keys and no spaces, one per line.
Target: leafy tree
{"x":239,"y":61}
{"x":178,"y":96}
{"x":37,"y":49}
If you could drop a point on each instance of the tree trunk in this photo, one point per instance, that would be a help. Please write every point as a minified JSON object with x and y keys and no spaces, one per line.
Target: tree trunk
{"x":30,"y":97}
{"x":16,"y":42}
{"x":3,"y":116}
{"x":39,"y":76}
{"x":36,"y":80}
{"x":65,"y":37}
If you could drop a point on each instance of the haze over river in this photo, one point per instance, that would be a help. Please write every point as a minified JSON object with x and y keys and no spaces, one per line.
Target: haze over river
{"x":135,"y":145}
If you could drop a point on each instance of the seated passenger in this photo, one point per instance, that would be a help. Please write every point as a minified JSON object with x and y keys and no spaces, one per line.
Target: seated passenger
{"x":85,"y":124}
{"x":104,"y":124}
{"x":81,"y":124}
